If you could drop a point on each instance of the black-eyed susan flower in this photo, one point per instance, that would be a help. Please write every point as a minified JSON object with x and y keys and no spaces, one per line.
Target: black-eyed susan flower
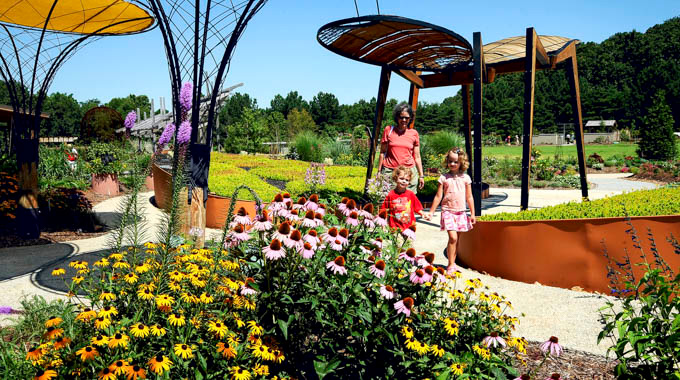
{"x":159,"y":364}
{"x":53,"y":333}
{"x":226,"y":350}
{"x":46,"y":374}
{"x":108,"y":312}
{"x":121,"y":265}
{"x":140,"y":330}
{"x":100,"y":340}
{"x":177,"y":320}
{"x":86,"y":315}
{"x":436,"y":350}
{"x":165,"y":300}
{"x":206,"y":299}
{"x":195,"y":322}
{"x":278,"y":356}
{"x":254,"y":328}
{"x":107,"y":296}
{"x":53,"y":321}
{"x":131,"y":278}
{"x":77,"y":279}
{"x":78,"y":264}
{"x":174,"y":286}
{"x":135,"y":372}
{"x":157,"y":330}
{"x":238,"y":373}
{"x":183,"y":351}
{"x":58,"y":272}
{"x":482,"y":352}
{"x":34,"y":354}
{"x":451,"y":326}
{"x":145,"y":294}
{"x":261,"y":370}
{"x":104,"y":262}
{"x":102,"y":323}
{"x":118,"y":340}
{"x":119,"y":367}
{"x":407,"y":332}
{"x":62,"y":342}
{"x":87,"y":353}
{"x":457,"y":368}
{"x":218,"y":328}
{"x":142,"y":268}
{"x":106,"y":374}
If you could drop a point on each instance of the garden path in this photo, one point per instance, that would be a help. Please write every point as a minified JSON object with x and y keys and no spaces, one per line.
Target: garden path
{"x":570,"y":315}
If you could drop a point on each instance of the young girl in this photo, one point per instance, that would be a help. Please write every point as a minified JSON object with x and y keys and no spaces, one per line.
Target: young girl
{"x":454,"y":190}
{"x":401,"y":203}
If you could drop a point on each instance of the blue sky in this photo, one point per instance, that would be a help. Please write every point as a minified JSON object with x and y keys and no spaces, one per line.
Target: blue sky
{"x":279,"y":52}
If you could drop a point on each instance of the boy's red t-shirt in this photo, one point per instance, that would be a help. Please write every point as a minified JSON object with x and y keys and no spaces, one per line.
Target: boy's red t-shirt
{"x":401,"y":208}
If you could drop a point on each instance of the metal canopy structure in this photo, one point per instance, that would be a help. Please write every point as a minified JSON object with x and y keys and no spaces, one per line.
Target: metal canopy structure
{"x":431,"y":56}
{"x":36,"y":38}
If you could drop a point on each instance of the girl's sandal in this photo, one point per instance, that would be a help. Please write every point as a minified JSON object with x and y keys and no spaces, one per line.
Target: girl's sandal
{"x":451,"y":270}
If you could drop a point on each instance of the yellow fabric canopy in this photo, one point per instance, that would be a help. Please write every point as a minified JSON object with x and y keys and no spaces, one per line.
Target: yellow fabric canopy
{"x":76,"y":16}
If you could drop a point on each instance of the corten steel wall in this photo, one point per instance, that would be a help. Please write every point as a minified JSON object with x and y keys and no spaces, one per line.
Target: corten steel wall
{"x":563,"y":253}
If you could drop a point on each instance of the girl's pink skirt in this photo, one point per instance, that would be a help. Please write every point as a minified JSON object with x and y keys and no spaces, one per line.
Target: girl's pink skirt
{"x":455,"y":221}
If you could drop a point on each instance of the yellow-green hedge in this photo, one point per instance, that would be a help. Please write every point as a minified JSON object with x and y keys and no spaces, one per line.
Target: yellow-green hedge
{"x":663,"y":201}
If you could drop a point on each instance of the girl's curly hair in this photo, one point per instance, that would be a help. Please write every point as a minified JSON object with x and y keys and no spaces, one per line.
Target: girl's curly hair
{"x":463,"y":162}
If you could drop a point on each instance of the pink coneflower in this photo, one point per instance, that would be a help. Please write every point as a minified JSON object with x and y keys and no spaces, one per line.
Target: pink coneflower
{"x":242,"y":217}
{"x":286,"y":198}
{"x":378,"y":269}
{"x":342,"y":206}
{"x":368,"y":222}
{"x":312,"y":203}
{"x":410,"y":232}
{"x":308,"y":220}
{"x":377,"y":242}
{"x":370,"y":259}
{"x":330,"y":235}
{"x":418,"y":277}
{"x":239,"y":233}
{"x":335,"y":245}
{"x":318,"y":218}
{"x":274,"y":251}
{"x":351,"y":206}
{"x":367,"y":211}
{"x":262,"y":222}
{"x":246,"y":290}
{"x":293,"y":216}
{"x":381,"y":219}
{"x":387,"y":292}
{"x":551,"y":346}
{"x":352,"y":219}
{"x":494,"y":340}
{"x":343,"y":236}
{"x":322,"y":209}
{"x":294,"y":240}
{"x":523,"y":377}
{"x":429,"y":272}
{"x":337,"y":265}
{"x":365,"y":250}
{"x":300,"y":203}
{"x":312,"y":237}
{"x":283,"y":231}
{"x":277,"y":203}
{"x":307,"y":250}
{"x":440,"y":274}
{"x":554,"y":376}
{"x":404,"y":306}
{"x":409,"y":255}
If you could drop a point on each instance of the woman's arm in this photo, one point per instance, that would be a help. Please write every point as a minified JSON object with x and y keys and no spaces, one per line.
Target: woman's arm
{"x":419,"y":166}
{"x":437,"y":199}
{"x":383,"y":149}
{"x":470,"y":202}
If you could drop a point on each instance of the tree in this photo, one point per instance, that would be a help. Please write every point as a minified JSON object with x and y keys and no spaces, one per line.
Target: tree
{"x":287,"y":104}
{"x":657,"y":140}
{"x":88,"y":105}
{"x":248,"y":133}
{"x":65,"y":115}
{"x":325,"y":109}
{"x":233,"y":108}
{"x":298,"y":121}
{"x":130,"y":103}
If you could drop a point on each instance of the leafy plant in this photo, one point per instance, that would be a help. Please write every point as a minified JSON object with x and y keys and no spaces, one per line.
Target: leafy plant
{"x":309,"y":146}
{"x":103,"y":158}
{"x":54,"y":170}
{"x":656,"y":134}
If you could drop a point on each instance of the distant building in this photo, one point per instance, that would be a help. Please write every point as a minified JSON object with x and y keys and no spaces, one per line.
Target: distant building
{"x":595,"y":124}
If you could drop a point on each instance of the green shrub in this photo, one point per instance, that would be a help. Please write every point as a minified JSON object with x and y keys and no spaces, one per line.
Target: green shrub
{"x":539,"y":184}
{"x":441,"y":142}
{"x":663,"y":201}
{"x":54,"y":170}
{"x":309,"y":147}
{"x":656,"y":132}
{"x":336,"y":149}
{"x":610,"y":163}
{"x":103,"y":158}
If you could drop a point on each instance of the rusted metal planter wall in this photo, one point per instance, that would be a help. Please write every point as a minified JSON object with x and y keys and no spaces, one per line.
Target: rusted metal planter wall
{"x":563,"y":253}
{"x":106,"y":184}
{"x":162,"y":186}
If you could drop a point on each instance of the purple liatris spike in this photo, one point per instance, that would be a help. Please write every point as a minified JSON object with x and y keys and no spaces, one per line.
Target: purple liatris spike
{"x":6,"y":310}
{"x":130,"y":119}
{"x":167,"y":134}
{"x":186,"y":95}
{"x":184,"y":133}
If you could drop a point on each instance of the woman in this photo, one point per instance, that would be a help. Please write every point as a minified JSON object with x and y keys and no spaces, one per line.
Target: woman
{"x":400,"y":146}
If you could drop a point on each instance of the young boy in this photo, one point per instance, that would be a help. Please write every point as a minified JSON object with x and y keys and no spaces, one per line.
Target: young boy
{"x":401,"y":203}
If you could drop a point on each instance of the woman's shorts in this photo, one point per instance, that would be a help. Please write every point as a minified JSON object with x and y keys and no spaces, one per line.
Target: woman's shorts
{"x":455,"y":221}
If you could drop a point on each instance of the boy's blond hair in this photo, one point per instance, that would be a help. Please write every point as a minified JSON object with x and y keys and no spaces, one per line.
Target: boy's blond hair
{"x":399,"y":170}
{"x":463,"y":162}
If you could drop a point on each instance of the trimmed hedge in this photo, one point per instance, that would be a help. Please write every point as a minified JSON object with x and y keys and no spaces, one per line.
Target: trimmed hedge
{"x":663,"y":201}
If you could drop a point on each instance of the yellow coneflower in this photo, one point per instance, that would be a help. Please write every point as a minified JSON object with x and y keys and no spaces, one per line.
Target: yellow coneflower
{"x":483,"y":352}
{"x":142,"y":268}
{"x":451,"y":326}
{"x":104,"y":262}
{"x":34,"y":354}
{"x":227,"y":351}
{"x":78,"y":264}
{"x":102,"y":323}
{"x":100,"y":340}
{"x":121,"y":265}
{"x":108,"y":311}
{"x":190,"y":298}
{"x":206,"y":299}
{"x":58,"y":272}
{"x":46,"y":374}
{"x":157,"y":330}
{"x":254,"y":339}
{"x":77,"y":279}
{"x":176,"y":320}
{"x":422,"y":349}
{"x":238,"y":373}
{"x":412,"y":344}
{"x":119,"y":367}
{"x":248,"y":304}
{"x":140,"y":330}
{"x":145,"y":294}
{"x":83,"y":271}
{"x":407,"y":332}
{"x":131,"y":278}
{"x":87,"y":353}
{"x":149,"y":245}
{"x":195,"y":322}
{"x":254,"y":328}
{"x":261,"y":370}
{"x":230,"y":265}
{"x":134,"y":372}
{"x":107,"y":296}
{"x":233,"y":339}
{"x":159,"y":364}
{"x":53,"y":321}
{"x":197,"y":281}
{"x":457,"y":368}
{"x":86,"y":315}
{"x":118,"y":340}
{"x":53,"y":333}
{"x":278,"y":356}
{"x":176,"y":275}
{"x":61,"y":343}
{"x":174,"y":286}
{"x":165,"y":300}
{"x":106,"y":374}
{"x":183,"y":351}
{"x":116,"y":256}
{"x":436,"y":350}
{"x":218,"y":328}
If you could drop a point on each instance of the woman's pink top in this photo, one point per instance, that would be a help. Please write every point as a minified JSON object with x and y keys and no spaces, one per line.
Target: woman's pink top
{"x":454,"y":186}
{"x":399,"y":147}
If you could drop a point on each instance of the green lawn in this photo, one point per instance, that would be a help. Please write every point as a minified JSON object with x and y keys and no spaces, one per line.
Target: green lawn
{"x":549,"y":151}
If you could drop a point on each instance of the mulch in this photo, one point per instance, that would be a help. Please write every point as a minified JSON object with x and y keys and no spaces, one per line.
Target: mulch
{"x":572,"y":364}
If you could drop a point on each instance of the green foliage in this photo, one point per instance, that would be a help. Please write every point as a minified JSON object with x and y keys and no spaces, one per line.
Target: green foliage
{"x":309,"y":147}
{"x":54,"y":170}
{"x":336,"y":149}
{"x":299,"y":121}
{"x":247,"y":134}
{"x":656,"y":134}
{"x":662,"y":201}
{"x":441,"y":142}
{"x":325,"y":109}
{"x":100,"y":126}
{"x":66,"y":209}
{"x":103,"y":158}
{"x":130,"y":103}
{"x":285,"y":105}
{"x":644,"y":325}
{"x":65,"y":115}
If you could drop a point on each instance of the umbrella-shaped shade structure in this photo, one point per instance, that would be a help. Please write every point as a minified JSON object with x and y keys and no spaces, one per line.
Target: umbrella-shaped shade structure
{"x":36,"y":38}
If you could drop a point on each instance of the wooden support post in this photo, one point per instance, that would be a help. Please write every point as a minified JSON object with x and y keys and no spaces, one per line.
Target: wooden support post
{"x":467,"y":124}
{"x":195,"y":214}
{"x":413,"y":101}
{"x":385,"y":74}
{"x":479,"y":69}
{"x":572,"y":76}
{"x":529,"y":79}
